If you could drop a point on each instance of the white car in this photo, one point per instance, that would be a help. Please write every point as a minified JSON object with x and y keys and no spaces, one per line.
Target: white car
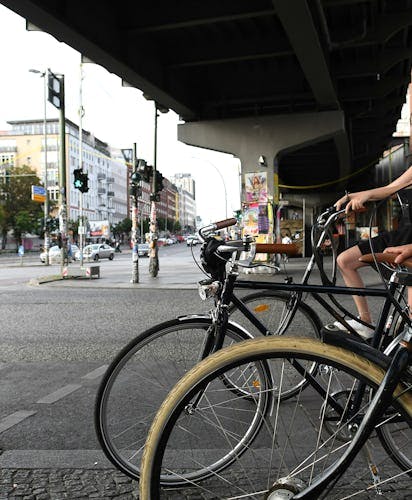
{"x":192,"y":240}
{"x":55,"y":254}
{"x":98,"y":251}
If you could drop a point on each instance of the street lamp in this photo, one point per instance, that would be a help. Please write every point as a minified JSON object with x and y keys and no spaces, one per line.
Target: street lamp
{"x":221,"y":176}
{"x":44,"y":74}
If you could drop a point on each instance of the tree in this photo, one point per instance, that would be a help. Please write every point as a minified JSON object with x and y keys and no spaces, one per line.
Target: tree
{"x":21,"y":214}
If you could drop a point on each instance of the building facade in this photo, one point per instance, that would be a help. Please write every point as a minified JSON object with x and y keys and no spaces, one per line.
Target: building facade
{"x":25,"y":144}
{"x":186,"y":192}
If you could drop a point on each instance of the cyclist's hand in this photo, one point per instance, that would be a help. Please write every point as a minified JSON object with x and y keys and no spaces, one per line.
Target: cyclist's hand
{"x":403,"y":252}
{"x":354,"y":201}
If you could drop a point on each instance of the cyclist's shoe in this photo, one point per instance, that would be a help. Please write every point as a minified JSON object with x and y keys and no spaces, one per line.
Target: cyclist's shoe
{"x":364,"y":331}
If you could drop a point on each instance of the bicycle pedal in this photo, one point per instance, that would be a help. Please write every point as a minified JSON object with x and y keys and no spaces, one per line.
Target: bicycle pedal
{"x":331,"y":328}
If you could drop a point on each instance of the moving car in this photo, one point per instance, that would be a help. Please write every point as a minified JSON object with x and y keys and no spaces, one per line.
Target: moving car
{"x":192,"y":240}
{"x":98,"y":251}
{"x":143,"y":249}
{"x":55,"y":254}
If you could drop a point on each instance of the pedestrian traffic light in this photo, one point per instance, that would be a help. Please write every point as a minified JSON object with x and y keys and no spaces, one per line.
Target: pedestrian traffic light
{"x":78,"y":178}
{"x":81,"y":180}
{"x":158,"y":182}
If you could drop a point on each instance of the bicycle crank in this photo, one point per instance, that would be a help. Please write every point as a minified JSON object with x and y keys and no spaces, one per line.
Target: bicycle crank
{"x":284,"y":489}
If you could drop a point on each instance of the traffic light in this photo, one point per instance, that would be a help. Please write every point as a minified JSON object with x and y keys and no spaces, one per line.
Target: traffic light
{"x":239,"y":215}
{"x":78,"y":178}
{"x":135,"y":189}
{"x":81,"y":180}
{"x":158,"y":182}
{"x":146,"y":171}
{"x":135,"y":177}
{"x":85,"y":183}
{"x":55,"y":86}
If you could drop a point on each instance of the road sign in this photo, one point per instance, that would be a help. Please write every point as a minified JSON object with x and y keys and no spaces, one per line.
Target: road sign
{"x":38,"y":193}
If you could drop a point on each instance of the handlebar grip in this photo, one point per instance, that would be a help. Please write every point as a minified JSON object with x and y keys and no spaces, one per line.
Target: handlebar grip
{"x":287,"y":248}
{"x":225,"y":223}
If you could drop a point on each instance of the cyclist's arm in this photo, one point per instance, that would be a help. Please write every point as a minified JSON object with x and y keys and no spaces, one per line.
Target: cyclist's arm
{"x":356,"y":201}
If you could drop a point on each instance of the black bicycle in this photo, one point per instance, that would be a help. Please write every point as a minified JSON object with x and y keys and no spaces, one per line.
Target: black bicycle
{"x":142,"y":374}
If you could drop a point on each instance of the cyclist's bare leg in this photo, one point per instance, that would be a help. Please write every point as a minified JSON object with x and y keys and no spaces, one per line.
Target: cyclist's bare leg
{"x":348,"y":262}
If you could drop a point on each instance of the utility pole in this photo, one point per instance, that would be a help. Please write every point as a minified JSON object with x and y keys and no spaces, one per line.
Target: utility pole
{"x":55,"y":85}
{"x":46,"y":200}
{"x":44,"y":75}
{"x":129,"y":156}
{"x":135,"y":191}
{"x":154,"y":250}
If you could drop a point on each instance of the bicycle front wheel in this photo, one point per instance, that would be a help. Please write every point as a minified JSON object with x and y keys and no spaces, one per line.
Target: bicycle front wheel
{"x":140,"y":377}
{"x":201,"y":421}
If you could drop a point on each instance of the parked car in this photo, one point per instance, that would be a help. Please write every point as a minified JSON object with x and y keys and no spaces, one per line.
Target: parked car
{"x":98,"y":251}
{"x":55,"y":254}
{"x":143,"y":249}
{"x":192,"y":240}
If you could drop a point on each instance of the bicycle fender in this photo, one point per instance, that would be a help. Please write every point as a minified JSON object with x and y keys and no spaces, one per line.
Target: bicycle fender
{"x":205,"y":317}
{"x":349,"y":342}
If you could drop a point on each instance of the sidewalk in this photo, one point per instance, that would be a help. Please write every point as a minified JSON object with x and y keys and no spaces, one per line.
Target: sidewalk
{"x":188,"y":276}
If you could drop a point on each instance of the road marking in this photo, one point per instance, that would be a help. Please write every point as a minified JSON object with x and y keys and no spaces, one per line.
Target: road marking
{"x":59,"y":394}
{"x":14,"y":418}
{"x":98,"y":372}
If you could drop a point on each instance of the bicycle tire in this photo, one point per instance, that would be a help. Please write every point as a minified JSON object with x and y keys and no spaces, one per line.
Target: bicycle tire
{"x":282,"y":313}
{"x":169,"y":350}
{"x":171,"y":423}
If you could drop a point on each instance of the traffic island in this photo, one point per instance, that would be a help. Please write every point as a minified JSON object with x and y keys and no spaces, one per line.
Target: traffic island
{"x":86,"y":272}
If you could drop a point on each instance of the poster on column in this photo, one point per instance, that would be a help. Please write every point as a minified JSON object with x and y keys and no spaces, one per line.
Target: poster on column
{"x":250,"y":219}
{"x":256,"y":187}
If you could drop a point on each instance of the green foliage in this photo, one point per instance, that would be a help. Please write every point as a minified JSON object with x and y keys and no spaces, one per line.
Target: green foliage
{"x":20,"y":213}
{"x":125,"y":225}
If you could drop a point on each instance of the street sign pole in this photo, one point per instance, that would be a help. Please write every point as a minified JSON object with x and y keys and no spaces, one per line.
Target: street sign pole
{"x":46,"y":201}
{"x":81,"y":114}
{"x":135,"y":250}
{"x":62,"y":178}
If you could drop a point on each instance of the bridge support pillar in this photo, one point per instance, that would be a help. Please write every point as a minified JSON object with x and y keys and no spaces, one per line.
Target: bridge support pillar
{"x":251,"y":137}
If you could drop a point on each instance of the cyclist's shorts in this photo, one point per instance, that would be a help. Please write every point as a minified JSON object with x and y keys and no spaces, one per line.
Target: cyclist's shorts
{"x":386,"y":239}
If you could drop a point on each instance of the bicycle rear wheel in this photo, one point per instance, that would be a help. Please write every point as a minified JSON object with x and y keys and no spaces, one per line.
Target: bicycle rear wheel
{"x":140,"y":377}
{"x":297,"y":440}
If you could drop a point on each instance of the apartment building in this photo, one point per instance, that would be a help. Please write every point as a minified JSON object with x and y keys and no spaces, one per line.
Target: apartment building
{"x":25,"y":144}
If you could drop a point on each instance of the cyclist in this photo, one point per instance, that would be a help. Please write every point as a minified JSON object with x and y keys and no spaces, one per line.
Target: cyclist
{"x":396,"y":241}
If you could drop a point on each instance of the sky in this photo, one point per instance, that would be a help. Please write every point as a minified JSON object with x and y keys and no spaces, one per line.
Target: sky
{"x":117,"y":115}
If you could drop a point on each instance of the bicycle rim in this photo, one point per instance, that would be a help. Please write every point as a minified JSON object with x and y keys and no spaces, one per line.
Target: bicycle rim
{"x":138,"y":380}
{"x":298,"y":440}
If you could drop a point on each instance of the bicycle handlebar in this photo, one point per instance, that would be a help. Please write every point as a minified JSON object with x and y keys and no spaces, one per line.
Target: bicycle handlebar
{"x":215,"y":226}
{"x":387,"y":257}
{"x":287,"y":248}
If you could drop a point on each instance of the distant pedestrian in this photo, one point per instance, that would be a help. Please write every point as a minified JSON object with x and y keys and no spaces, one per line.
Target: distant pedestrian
{"x":117,"y":247}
